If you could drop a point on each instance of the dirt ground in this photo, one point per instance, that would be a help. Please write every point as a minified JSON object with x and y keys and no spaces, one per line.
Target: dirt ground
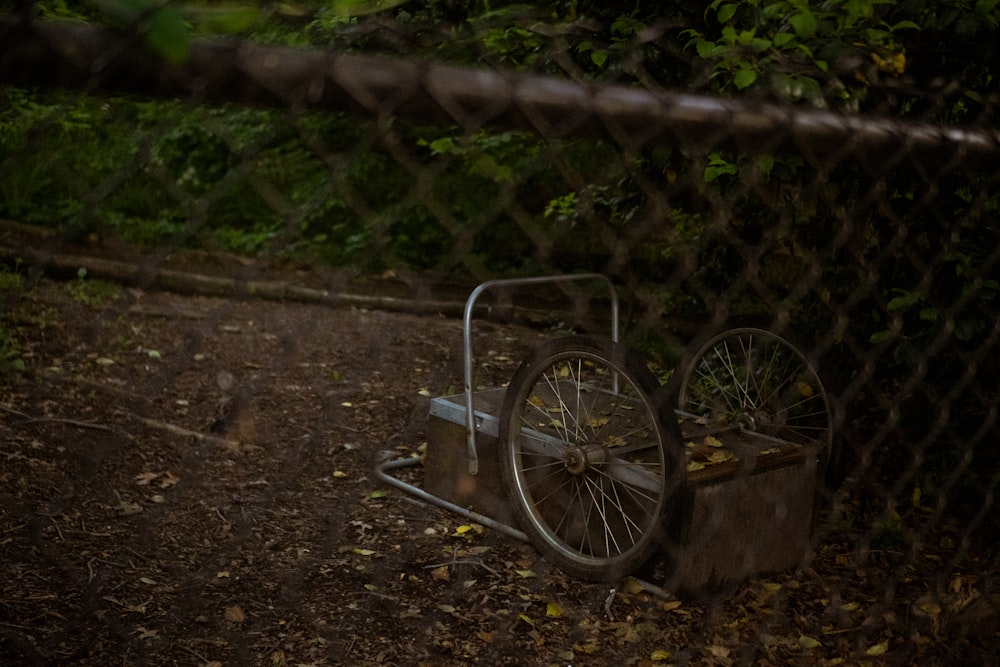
{"x":188,"y":480}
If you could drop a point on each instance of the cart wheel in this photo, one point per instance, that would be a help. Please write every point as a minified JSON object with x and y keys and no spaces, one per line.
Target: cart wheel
{"x":755,"y":379}
{"x":590,"y":461}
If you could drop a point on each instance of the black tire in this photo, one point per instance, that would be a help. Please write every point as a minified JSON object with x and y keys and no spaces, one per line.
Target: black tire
{"x":592,"y":468}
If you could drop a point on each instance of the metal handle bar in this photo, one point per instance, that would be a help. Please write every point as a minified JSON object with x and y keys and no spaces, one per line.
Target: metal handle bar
{"x":470,"y":416}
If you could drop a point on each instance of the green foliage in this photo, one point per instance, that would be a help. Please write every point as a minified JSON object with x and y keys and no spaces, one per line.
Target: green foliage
{"x":92,"y":292}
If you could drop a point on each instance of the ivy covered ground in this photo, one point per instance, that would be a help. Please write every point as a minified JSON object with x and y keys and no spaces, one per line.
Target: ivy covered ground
{"x":187,"y":480}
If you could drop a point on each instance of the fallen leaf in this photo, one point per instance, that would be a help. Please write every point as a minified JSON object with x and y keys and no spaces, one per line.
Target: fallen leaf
{"x":168,"y":480}
{"x":145,"y":478}
{"x":339,"y":474}
{"x":526,"y":574}
{"x":718,"y":651}
{"x":224,"y":574}
{"x":808,"y":643}
{"x":670,"y":605}
{"x":878,"y":649}
{"x":441,"y":573}
{"x":712,"y":441}
{"x":930,"y":608}
{"x":378,"y":493}
{"x":364,"y":552}
{"x":235,"y":615}
{"x":720,"y":457}
{"x":659,"y":655}
{"x":447,"y":608}
{"x":526,"y":619}
{"x":553,"y":610}
{"x":147,"y":634}
{"x":128,"y":509}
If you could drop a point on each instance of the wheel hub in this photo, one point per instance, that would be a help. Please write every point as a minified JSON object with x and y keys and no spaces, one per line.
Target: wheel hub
{"x":579,"y":460}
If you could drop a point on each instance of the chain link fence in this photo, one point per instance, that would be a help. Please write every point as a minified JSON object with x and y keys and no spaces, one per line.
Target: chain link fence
{"x":234,"y":379}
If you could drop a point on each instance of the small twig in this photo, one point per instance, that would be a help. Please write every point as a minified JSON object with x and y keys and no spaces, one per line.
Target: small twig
{"x":14,"y":412}
{"x":203,"y":659}
{"x":68,"y":422}
{"x":608,"y":602}
{"x":479,"y":562}
{"x":58,"y":531}
{"x":187,"y":433}
{"x":28,"y":419}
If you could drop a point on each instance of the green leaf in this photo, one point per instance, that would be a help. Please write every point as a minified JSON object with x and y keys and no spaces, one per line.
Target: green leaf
{"x":744,"y":78}
{"x":726,"y":12}
{"x":226,"y":18}
{"x":881,"y":336}
{"x":599,"y":57}
{"x":783,"y":39}
{"x":804,"y":23}
{"x":362,"y":7}
{"x":166,"y":32}
{"x":904,"y":300}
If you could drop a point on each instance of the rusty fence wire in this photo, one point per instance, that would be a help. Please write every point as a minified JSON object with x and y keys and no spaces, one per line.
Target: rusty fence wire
{"x":233,"y":282}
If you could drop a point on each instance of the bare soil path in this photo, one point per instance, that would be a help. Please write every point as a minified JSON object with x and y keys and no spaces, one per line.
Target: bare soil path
{"x":187,"y":480}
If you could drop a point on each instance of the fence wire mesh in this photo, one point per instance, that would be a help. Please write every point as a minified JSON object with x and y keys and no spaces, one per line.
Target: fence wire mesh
{"x":234,"y":276}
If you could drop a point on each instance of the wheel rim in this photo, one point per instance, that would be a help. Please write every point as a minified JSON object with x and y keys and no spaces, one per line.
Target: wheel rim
{"x":760,"y":382}
{"x":588,"y":460}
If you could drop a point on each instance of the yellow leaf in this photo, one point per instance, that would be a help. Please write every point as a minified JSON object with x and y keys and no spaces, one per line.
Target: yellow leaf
{"x":526,"y":574}
{"x":878,"y":649}
{"x":659,"y":655}
{"x":712,"y":441}
{"x":772,"y":587}
{"x":339,"y":474}
{"x":364,"y":552}
{"x":441,"y":573}
{"x":554,"y":610}
{"x":719,"y":457}
{"x":806,"y":390}
{"x":808,"y":643}
{"x":670,"y":605}
{"x":631,"y":586}
{"x":526,"y":619}
{"x":930,"y":608}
